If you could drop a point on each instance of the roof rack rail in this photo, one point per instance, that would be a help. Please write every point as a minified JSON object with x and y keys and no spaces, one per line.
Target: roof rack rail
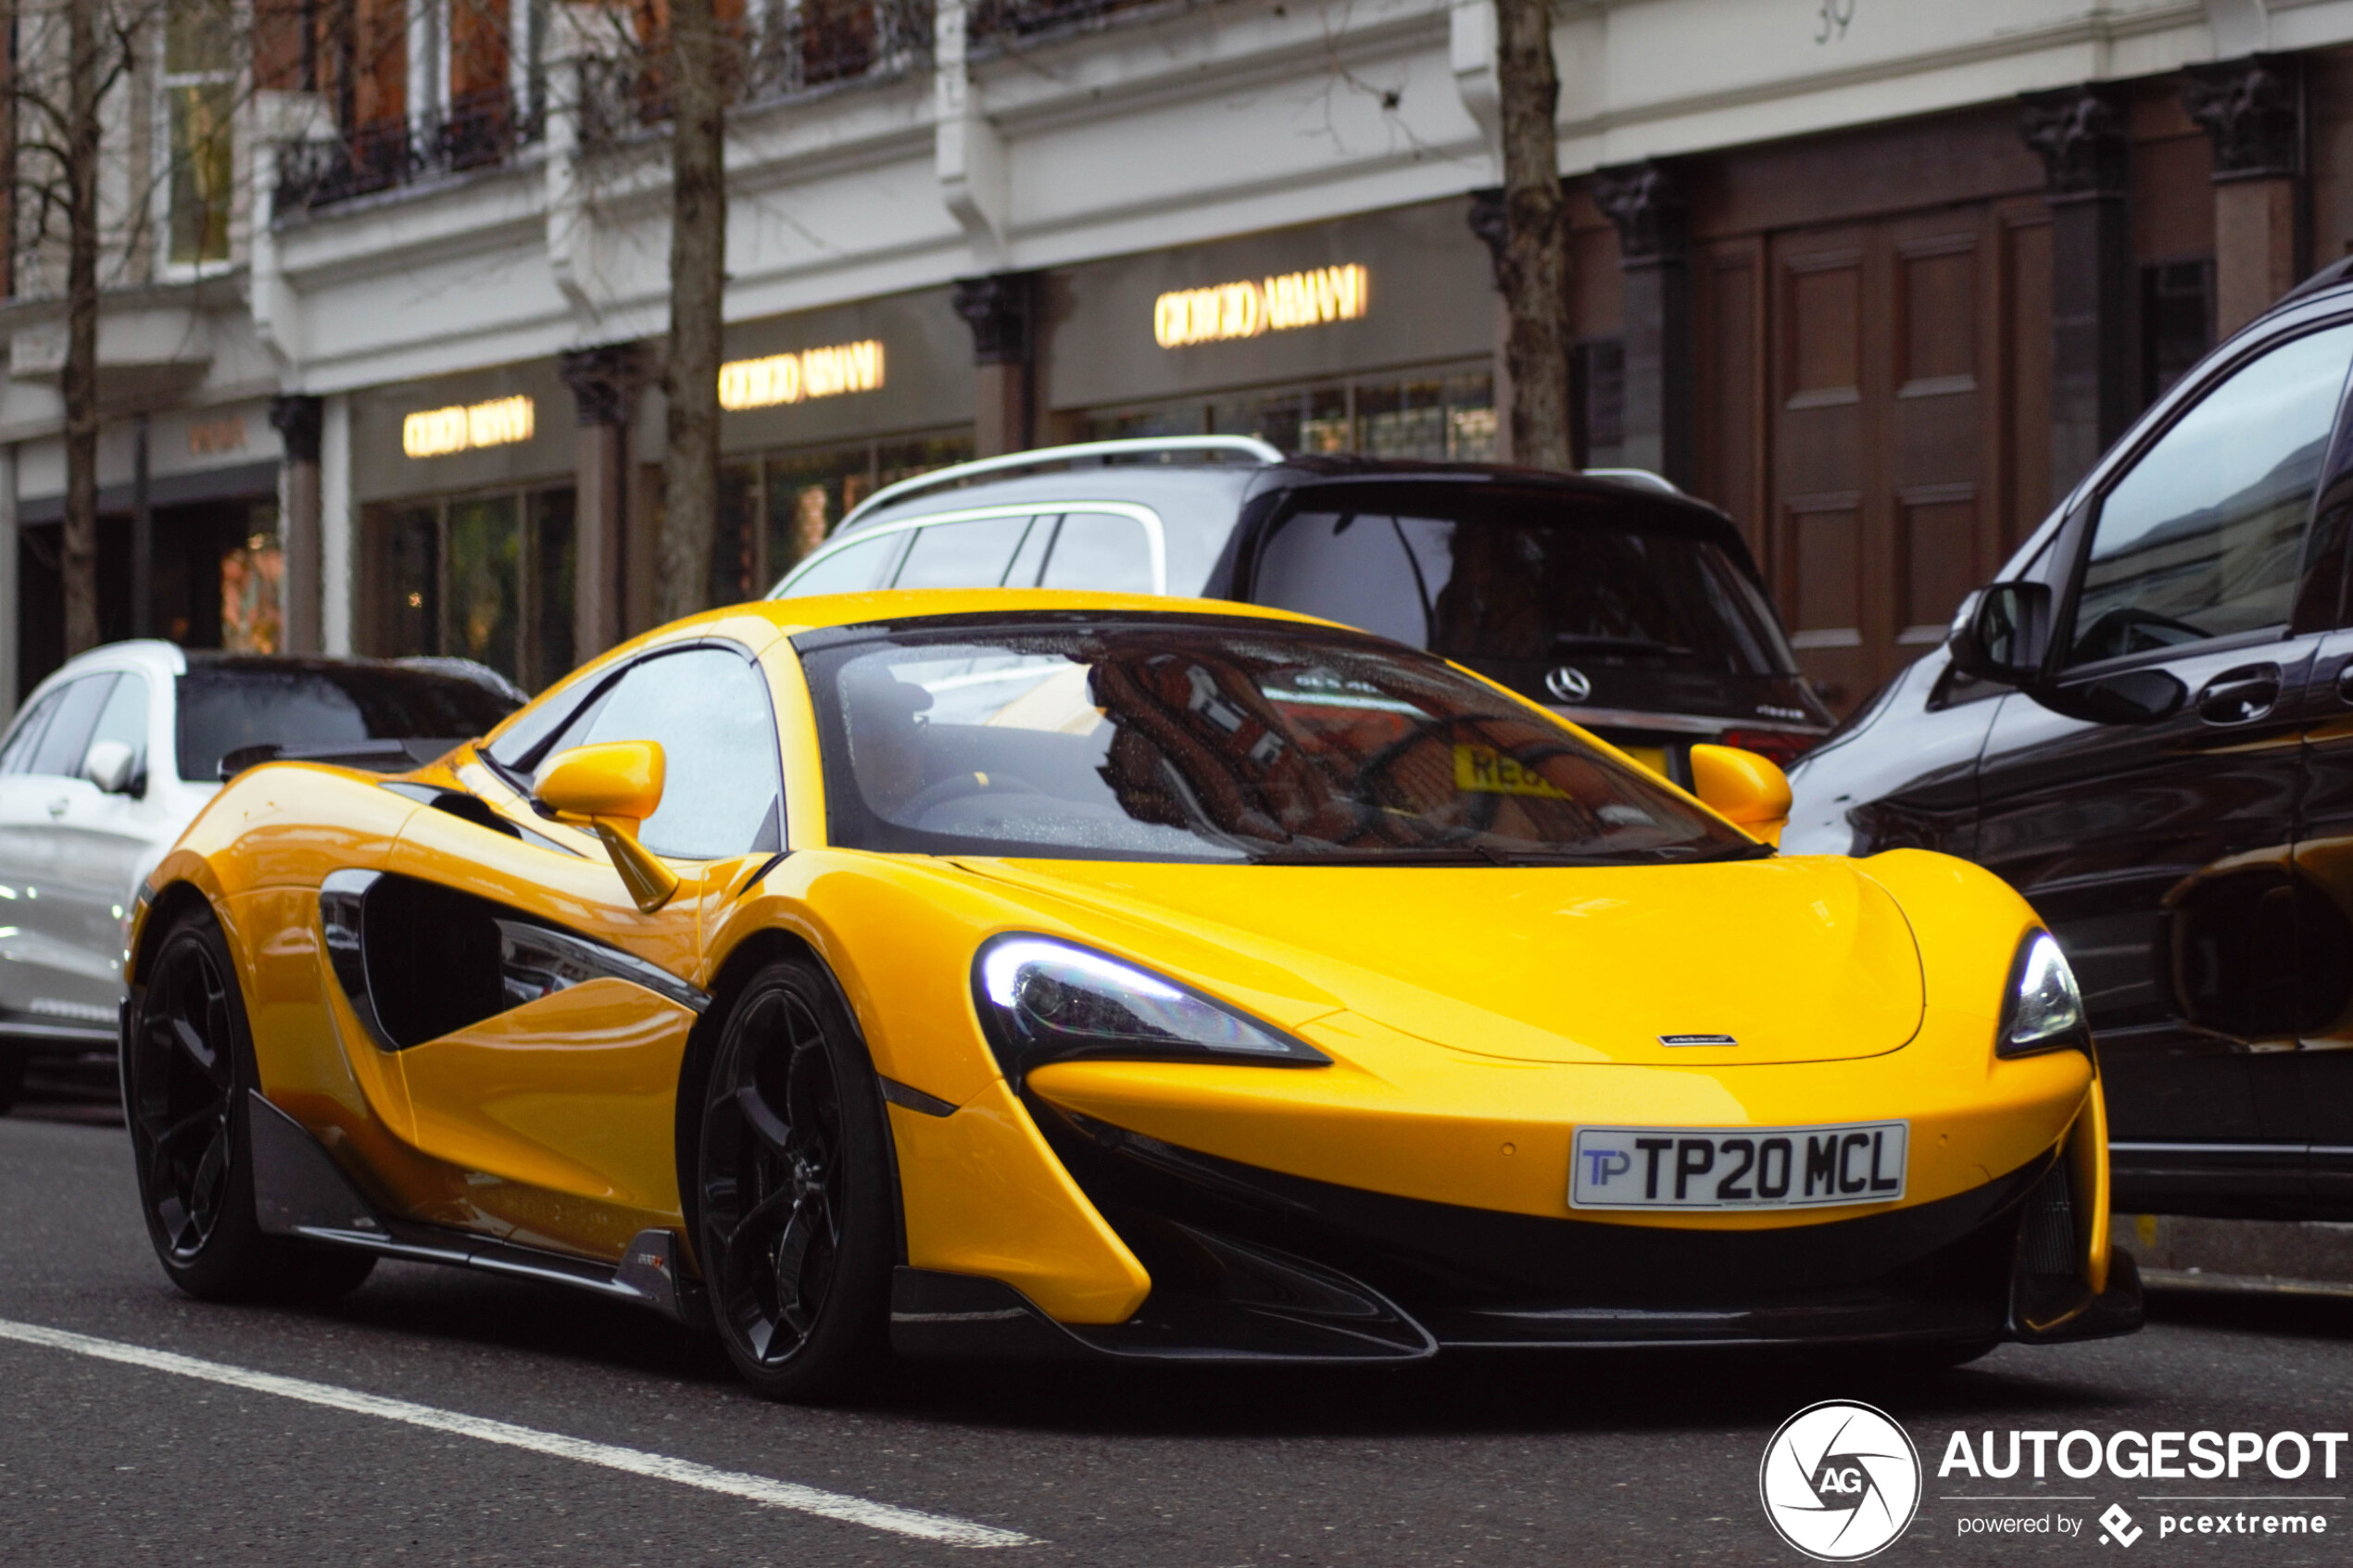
{"x":1043,"y":457}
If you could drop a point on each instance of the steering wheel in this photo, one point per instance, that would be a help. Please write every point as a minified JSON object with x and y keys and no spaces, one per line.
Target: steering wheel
{"x":958,"y":787}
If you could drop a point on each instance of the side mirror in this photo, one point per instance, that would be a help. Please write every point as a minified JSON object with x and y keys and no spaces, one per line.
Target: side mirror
{"x":112,"y":766}
{"x":613,"y":788}
{"x":2003,"y":634}
{"x":1743,"y":788}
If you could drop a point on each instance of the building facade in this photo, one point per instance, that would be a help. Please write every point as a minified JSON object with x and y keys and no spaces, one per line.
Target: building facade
{"x":1879,"y":279}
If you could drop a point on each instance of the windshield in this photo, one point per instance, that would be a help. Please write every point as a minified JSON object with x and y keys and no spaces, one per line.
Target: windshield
{"x":231,"y":705}
{"x":1488,"y":578}
{"x":1214,"y":740}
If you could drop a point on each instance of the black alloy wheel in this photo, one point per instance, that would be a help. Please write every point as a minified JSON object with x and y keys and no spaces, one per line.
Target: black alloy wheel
{"x":187,"y":1066}
{"x":184,"y":1068}
{"x":792,"y":1190}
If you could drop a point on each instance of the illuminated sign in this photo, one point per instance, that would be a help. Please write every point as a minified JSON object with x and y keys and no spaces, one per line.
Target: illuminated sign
{"x":795,"y":378}
{"x":436,"y":433}
{"x":1270,"y":305}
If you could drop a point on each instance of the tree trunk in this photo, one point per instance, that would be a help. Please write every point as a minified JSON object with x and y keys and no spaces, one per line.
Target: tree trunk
{"x":697,"y":276}
{"x":1535,"y":258}
{"x":79,"y":557}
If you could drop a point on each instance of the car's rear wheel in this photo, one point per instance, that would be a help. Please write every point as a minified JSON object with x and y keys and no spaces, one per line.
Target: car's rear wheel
{"x":13,"y":1065}
{"x":792,"y":1190}
{"x":187,"y":1068}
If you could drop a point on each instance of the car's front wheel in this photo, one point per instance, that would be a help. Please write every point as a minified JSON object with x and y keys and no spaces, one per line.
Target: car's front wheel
{"x":791,"y":1184}
{"x":187,"y":1068}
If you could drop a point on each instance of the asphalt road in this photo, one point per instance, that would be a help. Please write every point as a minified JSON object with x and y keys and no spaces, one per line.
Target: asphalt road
{"x":1623,"y":1459}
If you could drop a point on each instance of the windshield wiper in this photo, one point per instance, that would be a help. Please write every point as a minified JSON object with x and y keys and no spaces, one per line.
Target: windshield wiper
{"x":1433,"y":854}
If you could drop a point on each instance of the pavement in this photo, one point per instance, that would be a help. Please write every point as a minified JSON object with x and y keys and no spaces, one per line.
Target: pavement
{"x":559,"y":1429}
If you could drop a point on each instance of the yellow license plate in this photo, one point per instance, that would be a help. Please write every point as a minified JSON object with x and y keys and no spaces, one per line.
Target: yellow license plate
{"x":1651,"y":756}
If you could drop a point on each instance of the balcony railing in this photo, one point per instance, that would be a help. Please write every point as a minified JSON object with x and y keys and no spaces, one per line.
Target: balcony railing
{"x":812,"y":43}
{"x":480,"y":130}
{"x":1006,"y":21}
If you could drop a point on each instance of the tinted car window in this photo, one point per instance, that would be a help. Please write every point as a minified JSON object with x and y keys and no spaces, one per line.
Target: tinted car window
{"x":1478,"y":578}
{"x":1201,"y":740}
{"x":124,"y":717}
{"x":68,"y":736}
{"x":1103,"y":552}
{"x":962,"y":555}
{"x":228,"y":706}
{"x":851,"y":569}
{"x":708,"y":709}
{"x":25,"y":739}
{"x":2202,"y":537}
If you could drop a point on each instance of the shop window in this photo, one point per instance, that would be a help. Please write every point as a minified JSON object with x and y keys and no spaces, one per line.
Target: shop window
{"x":199,"y":102}
{"x":253,"y":576}
{"x":2177,"y":321}
{"x":1449,"y":420}
{"x":1439,"y":416}
{"x":487,"y":577}
{"x":807,"y":493}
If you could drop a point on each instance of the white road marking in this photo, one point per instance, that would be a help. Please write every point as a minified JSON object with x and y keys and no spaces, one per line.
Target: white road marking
{"x":753,"y":1488}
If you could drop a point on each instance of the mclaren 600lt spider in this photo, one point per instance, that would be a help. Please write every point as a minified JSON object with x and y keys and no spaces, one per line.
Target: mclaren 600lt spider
{"x":1052,"y":974}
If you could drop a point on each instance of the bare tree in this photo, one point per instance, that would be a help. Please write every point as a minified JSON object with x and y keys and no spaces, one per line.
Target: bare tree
{"x":701,"y":50}
{"x":70,"y":55}
{"x":1534,"y":261}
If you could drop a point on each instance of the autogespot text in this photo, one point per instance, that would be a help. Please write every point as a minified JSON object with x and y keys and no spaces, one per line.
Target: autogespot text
{"x":2135,"y":1456}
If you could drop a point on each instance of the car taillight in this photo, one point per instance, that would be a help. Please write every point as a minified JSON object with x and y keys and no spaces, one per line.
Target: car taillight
{"x":1781,"y":747}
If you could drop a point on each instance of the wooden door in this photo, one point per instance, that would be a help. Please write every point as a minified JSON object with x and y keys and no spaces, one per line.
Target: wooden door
{"x":1872,"y":410}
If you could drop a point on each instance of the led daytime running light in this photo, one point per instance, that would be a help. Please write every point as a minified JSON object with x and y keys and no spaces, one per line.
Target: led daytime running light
{"x":1047,"y":1000}
{"x":2044,"y":1010}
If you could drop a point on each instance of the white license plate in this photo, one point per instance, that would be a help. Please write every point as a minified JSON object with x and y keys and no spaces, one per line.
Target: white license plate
{"x":1738,"y":1167}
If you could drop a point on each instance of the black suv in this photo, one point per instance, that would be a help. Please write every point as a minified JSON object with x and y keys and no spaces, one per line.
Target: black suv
{"x":2146,"y":727}
{"x":1627,"y":606}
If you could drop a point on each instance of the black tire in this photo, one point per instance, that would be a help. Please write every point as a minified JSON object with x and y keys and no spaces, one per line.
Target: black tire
{"x":789,"y":1182}
{"x":186,"y":1071}
{"x":12,"y":1063}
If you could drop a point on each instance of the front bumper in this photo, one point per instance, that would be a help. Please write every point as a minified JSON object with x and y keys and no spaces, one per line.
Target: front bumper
{"x":1251,"y":1264}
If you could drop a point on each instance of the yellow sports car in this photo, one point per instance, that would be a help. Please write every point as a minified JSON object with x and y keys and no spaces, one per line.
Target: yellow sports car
{"x":1026,"y":974}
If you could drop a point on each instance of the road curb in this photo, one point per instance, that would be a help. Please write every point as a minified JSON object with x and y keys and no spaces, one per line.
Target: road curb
{"x":2286,"y":1256}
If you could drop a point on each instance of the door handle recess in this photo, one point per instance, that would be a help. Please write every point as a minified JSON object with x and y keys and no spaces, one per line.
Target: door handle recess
{"x":57,"y":806}
{"x":2241,"y":695}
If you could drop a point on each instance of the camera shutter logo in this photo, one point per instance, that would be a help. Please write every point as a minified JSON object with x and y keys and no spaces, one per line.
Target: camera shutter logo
{"x":1568,"y":684}
{"x":1839,"y":1481}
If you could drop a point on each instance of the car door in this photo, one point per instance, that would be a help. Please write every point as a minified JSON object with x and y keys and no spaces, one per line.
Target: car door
{"x":2324,"y":862}
{"x":102,"y":837}
{"x":2145,"y":800}
{"x":544,"y":1051}
{"x":54,"y":978}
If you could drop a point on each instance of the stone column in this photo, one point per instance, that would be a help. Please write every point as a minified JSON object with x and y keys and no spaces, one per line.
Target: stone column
{"x":2083,"y":137}
{"x":1487,"y":221}
{"x":604,"y":381}
{"x":1002,"y":309}
{"x":1655,"y":253}
{"x":298,"y":419}
{"x":338,"y":529}
{"x":2253,"y":110}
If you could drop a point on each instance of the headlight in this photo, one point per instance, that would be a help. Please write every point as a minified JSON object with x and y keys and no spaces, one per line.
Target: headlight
{"x":2045,"y":1012}
{"x":1048,"y":1001}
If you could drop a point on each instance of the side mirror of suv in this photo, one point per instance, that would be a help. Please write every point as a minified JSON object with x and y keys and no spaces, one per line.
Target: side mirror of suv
{"x":2003,"y":634}
{"x":113,"y":767}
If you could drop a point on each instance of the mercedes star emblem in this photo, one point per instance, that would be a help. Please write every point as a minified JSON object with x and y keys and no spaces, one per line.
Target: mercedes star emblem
{"x":1568,"y":684}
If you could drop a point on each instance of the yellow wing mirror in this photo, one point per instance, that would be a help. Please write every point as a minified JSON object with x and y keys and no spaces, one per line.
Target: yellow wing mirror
{"x":613,"y":788}
{"x":1743,"y":788}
